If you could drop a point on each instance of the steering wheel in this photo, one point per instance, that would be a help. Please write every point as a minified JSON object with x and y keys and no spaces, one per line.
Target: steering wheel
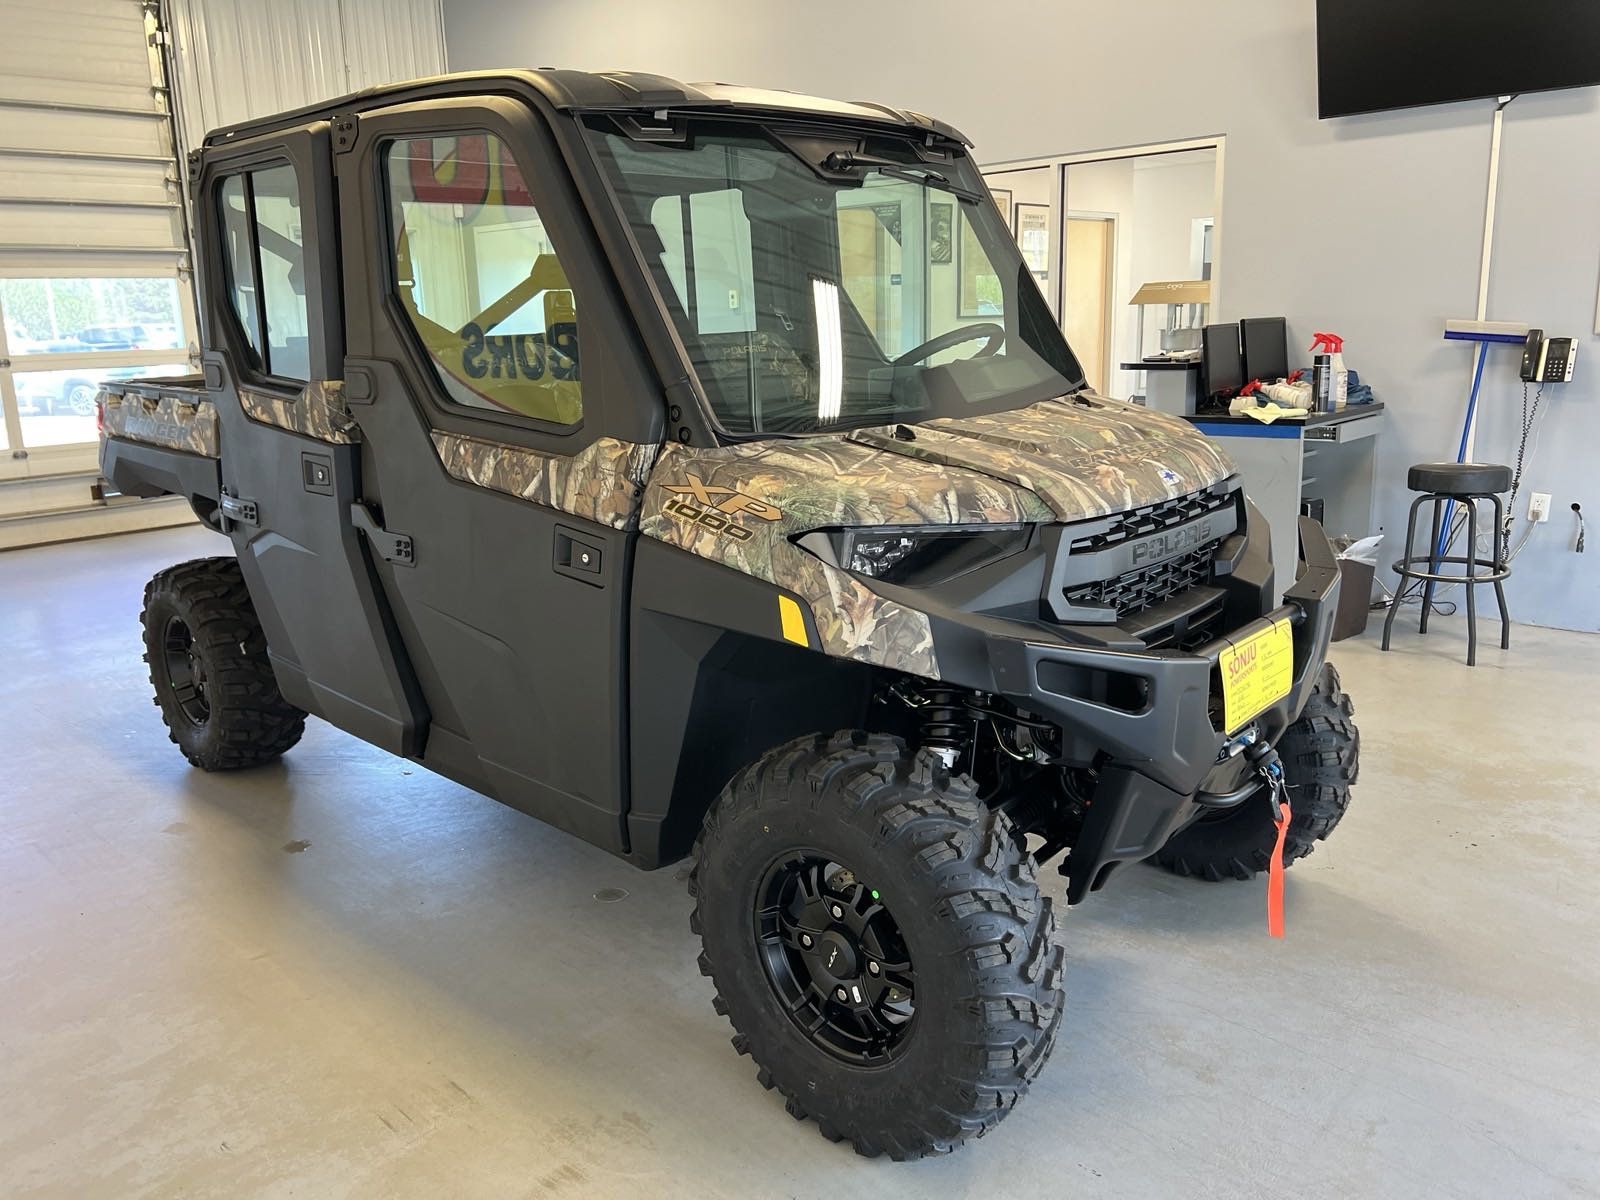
{"x":955,"y":337}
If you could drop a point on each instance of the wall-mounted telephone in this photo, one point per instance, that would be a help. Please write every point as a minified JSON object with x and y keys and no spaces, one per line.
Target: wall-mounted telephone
{"x":1548,"y":360}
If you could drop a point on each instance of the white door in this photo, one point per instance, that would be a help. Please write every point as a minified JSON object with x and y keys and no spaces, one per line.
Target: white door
{"x":1086,"y":312}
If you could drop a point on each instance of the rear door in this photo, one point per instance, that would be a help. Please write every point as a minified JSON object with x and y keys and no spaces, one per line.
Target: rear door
{"x":508,"y":423}
{"x":289,"y":452}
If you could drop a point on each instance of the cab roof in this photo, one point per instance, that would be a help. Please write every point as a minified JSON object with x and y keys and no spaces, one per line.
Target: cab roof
{"x":607,"y":91}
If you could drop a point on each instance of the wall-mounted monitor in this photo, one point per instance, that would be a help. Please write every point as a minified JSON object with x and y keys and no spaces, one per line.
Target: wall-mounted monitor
{"x":1379,"y":54}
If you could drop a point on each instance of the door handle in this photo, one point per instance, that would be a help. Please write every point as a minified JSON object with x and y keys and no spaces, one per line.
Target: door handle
{"x":579,"y":556}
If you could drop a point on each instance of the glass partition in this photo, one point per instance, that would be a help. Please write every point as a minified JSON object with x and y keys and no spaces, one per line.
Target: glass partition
{"x":1095,"y":229}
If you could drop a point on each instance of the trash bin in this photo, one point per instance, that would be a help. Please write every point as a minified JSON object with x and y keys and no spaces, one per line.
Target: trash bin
{"x":1355,"y":598}
{"x":1358,"y":563}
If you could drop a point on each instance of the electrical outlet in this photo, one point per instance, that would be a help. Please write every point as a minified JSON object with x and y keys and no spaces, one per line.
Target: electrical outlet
{"x":1539,"y":506}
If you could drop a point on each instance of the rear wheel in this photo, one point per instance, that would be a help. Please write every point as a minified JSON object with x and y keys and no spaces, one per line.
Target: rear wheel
{"x":1321,"y":755}
{"x":208,"y":665}
{"x":878,"y":940}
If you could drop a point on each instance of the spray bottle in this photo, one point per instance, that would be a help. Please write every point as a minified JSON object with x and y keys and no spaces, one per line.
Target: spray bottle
{"x":1330,"y":382}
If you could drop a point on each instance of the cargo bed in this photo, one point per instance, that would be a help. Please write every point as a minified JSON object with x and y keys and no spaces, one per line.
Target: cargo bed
{"x":160,"y":437}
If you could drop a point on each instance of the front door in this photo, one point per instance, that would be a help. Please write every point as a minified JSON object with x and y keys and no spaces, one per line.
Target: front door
{"x":508,"y":424}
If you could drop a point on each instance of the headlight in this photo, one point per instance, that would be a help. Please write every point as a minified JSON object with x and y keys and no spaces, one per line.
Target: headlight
{"x":915,"y":555}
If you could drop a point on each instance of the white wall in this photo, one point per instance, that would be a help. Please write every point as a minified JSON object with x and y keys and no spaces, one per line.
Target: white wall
{"x":1368,"y":225}
{"x":1170,"y":192}
{"x":239,"y":59}
{"x":1030,"y":186}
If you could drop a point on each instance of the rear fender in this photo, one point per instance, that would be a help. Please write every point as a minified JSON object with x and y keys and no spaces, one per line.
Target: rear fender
{"x":141,"y":469}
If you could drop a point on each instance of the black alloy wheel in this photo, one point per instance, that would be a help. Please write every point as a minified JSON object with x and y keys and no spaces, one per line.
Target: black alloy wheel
{"x":876,"y":935}
{"x":186,"y":671}
{"x":836,"y":959}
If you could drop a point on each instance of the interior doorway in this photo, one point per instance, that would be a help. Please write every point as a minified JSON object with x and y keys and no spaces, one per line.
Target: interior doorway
{"x":1087,"y":290}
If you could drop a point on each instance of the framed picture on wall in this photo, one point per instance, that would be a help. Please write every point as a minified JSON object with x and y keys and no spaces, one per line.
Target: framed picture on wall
{"x":941,"y":232}
{"x":1031,"y":225}
{"x":889,"y":217}
{"x":1002,"y":198}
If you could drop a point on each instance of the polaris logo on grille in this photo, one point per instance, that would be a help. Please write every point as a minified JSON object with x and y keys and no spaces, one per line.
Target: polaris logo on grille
{"x":1164,"y":545}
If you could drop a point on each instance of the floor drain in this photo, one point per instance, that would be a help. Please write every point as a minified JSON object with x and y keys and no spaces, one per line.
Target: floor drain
{"x":610,"y":895}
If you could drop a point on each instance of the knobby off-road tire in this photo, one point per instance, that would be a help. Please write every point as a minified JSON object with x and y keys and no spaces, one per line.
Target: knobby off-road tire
{"x":208,"y":665}
{"x":1321,"y":755}
{"x":962,"y":899}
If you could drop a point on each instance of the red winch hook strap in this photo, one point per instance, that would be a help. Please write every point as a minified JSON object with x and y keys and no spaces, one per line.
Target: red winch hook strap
{"x":1275,"y":873}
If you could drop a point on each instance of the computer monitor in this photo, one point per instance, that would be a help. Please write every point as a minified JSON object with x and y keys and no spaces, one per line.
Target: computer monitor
{"x":1222,"y":368}
{"x":1264,"y":342}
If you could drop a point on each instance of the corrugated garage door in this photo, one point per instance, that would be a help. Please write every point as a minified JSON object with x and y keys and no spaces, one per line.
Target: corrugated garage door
{"x":94,"y":270}
{"x":94,"y":266}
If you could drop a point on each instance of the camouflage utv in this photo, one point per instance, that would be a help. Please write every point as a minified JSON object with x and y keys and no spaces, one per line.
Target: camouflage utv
{"x":700,"y":470}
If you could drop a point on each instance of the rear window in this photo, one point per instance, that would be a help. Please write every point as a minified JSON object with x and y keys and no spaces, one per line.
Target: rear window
{"x":265,"y":259}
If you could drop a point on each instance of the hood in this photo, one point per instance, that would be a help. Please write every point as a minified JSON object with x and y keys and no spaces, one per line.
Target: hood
{"x":1063,"y":460}
{"x":1083,"y":456}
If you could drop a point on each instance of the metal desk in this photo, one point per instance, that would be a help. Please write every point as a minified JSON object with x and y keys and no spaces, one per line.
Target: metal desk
{"x":1324,"y":456}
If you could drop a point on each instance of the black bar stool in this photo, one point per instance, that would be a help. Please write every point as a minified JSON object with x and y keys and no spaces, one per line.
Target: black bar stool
{"x":1466,"y":483}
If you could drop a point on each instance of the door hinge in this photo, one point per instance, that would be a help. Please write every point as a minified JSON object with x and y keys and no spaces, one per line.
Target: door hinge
{"x":344,"y":133}
{"x":396,"y":548}
{"x":237,"y":511}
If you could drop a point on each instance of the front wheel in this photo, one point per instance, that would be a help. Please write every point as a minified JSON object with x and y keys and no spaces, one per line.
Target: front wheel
{"x":878,"y":940}
{"x":1321,"y":755}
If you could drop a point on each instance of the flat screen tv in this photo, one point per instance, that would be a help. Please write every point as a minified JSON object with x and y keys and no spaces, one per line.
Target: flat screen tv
{"x":1378,"y":54}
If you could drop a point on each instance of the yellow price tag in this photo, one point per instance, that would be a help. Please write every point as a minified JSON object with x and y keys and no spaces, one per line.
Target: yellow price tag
{"x":1257,"y":672}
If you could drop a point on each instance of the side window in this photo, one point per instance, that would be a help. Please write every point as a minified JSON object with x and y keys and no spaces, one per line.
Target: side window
{"x":266,"y":266}
{"x":479,"y":278}
{"x":724,"y":275}
{"x":240,"y":259}
{"x":719,"y":291}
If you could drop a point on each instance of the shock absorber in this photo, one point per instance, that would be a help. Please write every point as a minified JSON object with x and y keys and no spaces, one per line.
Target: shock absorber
{"x":945,"y":724}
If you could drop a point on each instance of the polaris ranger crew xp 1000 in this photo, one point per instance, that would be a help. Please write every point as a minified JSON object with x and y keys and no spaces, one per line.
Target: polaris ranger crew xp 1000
{"x":700,"y":470}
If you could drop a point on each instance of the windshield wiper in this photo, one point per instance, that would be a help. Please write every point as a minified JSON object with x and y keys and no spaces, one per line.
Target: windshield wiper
{"x":845,"y":160}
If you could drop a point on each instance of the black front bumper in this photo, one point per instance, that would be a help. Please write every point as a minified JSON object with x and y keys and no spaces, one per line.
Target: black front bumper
{"x":1152,"y":714}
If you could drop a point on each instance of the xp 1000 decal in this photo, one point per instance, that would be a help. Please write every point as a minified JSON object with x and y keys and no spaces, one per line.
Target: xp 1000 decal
{"x":716,"y":508}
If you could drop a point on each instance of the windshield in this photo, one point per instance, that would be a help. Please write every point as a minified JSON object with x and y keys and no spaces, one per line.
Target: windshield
{"x":816,"y":292}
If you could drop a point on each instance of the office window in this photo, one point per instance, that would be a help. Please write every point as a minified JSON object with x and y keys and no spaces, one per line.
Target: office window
{"x":264,"y":253}
{"x":479,"y":278}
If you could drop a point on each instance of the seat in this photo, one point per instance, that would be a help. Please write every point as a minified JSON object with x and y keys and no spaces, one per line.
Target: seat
{"x":1444,"y":485}
{"x":1459,"y":480}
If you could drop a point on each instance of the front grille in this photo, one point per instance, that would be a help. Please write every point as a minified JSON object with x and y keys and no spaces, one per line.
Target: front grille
{"x":1136,"y":590}
{"x":1151,"y":519}
{"x":1190,"y":629}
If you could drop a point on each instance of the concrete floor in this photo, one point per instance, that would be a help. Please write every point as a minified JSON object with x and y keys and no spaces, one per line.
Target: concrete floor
{"x":342,"y":976}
